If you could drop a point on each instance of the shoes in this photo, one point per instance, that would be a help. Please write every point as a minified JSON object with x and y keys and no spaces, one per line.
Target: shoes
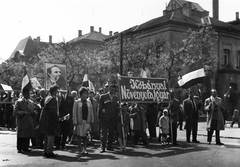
{"x":27,"y":150}
{"x":188,"y":141}
{"x":219,"y":143}
{"x":84,"y":153}
{"x":103,"y":150}
{"x":209,"y":143}
{"x":196,"y":141}
{"x":20,"y":151}
{"x":51,"y":155}
{"x":175,"y":144}
{"x":110,"y":149}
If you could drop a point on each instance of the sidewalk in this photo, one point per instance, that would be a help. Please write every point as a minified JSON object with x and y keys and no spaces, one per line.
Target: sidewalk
{"x":231,"y":133}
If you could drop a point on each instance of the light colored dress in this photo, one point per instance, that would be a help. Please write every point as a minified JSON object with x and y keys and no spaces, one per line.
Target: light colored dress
{"x":82,"y":126}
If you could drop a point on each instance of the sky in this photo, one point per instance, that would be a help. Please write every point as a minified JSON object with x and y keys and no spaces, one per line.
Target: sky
{"x":63,"y":18}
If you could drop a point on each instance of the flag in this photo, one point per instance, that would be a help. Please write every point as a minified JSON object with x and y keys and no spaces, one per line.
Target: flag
{"x":26,"y":83}
{"x":145,"y":73}
{"x":192,"y":75}
{"x":87,"y":83}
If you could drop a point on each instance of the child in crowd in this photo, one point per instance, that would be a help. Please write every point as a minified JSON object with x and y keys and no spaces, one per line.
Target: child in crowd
{"x":164,"y":127}
{"x":123,"y":124}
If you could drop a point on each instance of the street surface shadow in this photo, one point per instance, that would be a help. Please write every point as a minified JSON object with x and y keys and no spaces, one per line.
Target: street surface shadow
{"x":163,"y":151}
{"x":93,"y":154}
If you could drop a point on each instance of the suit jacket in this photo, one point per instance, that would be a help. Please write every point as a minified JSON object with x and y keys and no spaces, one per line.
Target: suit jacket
{"x":108,"y":108}
{"x":175,"y":109}
{"x":189,"y":111}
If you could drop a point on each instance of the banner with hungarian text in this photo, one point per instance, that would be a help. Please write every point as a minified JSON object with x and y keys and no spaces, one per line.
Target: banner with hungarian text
{"x":143,"y":90}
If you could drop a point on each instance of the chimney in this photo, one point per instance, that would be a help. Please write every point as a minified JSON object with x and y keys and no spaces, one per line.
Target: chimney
{"x":215,"y":9}
{"x":237,"y":15}
{"x":38,"y":39}
{"x":50,"y":39}
{"x":110,"y":33}
{"x":115,"y":33}
{"x":100,"y":30}
{"x":79,"y":33}
{"x":91,"y":28}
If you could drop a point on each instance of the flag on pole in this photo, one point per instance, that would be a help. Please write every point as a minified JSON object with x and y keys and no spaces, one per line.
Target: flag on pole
{"x":87,"y":83}
{"x":145,"y":73}
{"x":192,"y":75}
{"x":26,"y":83}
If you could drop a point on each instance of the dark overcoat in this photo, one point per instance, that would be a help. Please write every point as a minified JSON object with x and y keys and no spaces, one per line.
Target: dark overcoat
{"x":108,"y":108}
{"x":49,"y":119}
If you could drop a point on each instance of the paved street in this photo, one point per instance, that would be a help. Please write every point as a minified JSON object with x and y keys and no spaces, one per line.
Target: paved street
{"x":186,"y":154}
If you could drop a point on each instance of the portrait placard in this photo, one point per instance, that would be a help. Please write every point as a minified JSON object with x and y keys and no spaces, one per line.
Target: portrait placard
{"x":55,"y":74}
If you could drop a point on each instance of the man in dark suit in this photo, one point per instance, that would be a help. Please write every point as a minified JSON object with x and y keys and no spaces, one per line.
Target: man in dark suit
{"x":190,"y":108}
{"x":175,"y":109}
{"x":108,"y":106}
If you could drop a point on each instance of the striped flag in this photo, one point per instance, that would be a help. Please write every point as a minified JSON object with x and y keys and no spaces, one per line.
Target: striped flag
{"x":87,"y":83}
{"x":192,"y":75}
{"x":26,"y":83}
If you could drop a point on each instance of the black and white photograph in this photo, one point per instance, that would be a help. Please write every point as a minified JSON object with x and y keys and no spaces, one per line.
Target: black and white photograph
{"x":120,"y":83}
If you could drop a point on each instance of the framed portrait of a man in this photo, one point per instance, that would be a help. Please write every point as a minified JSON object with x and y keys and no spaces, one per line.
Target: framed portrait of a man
{"x":55,"y":74}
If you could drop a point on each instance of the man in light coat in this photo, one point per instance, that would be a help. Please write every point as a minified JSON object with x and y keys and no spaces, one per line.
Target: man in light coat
{"x":25,"y":111}
{"x":214,"y":107}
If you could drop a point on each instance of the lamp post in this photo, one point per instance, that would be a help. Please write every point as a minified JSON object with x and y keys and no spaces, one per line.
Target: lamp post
{"x":121,"y":54}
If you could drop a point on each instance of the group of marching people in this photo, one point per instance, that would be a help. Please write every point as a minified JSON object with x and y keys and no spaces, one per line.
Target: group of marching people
{"x":53,"y":119}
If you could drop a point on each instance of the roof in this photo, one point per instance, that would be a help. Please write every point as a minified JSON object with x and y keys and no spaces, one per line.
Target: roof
{"x":27,"y":47}
{"x":180,"y":18}
{"x":194,"y":6}
{"x":93,"y":36}
{"x":24,"y":47}
{"x":177,"y":17}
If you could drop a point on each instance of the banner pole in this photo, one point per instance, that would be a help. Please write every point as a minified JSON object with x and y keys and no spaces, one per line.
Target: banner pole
{"x":170,"y":113}
{"x":120,"y":109}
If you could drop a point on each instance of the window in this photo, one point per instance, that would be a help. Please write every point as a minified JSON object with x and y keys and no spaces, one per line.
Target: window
{"x":238,"y":59}
{"x":226,"y":57}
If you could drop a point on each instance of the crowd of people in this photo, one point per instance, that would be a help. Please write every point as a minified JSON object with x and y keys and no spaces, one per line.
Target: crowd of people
{"x":50,"y":120}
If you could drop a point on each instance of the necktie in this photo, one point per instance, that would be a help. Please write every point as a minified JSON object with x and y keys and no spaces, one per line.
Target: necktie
{"x":194,"y":106}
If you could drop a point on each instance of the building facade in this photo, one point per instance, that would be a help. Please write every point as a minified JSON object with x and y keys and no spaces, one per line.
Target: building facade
{"x":181,"y":15}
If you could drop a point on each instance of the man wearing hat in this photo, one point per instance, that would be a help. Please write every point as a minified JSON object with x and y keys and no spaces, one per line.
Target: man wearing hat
{"x":190,"y":108}
{"x":25,"y":111}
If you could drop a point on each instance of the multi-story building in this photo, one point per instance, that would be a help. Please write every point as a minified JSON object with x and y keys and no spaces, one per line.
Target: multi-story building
{"x":178,"y":17}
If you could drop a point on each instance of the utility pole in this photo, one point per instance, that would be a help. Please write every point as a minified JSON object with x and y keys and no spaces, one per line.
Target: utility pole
{"x":121,"y":54}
